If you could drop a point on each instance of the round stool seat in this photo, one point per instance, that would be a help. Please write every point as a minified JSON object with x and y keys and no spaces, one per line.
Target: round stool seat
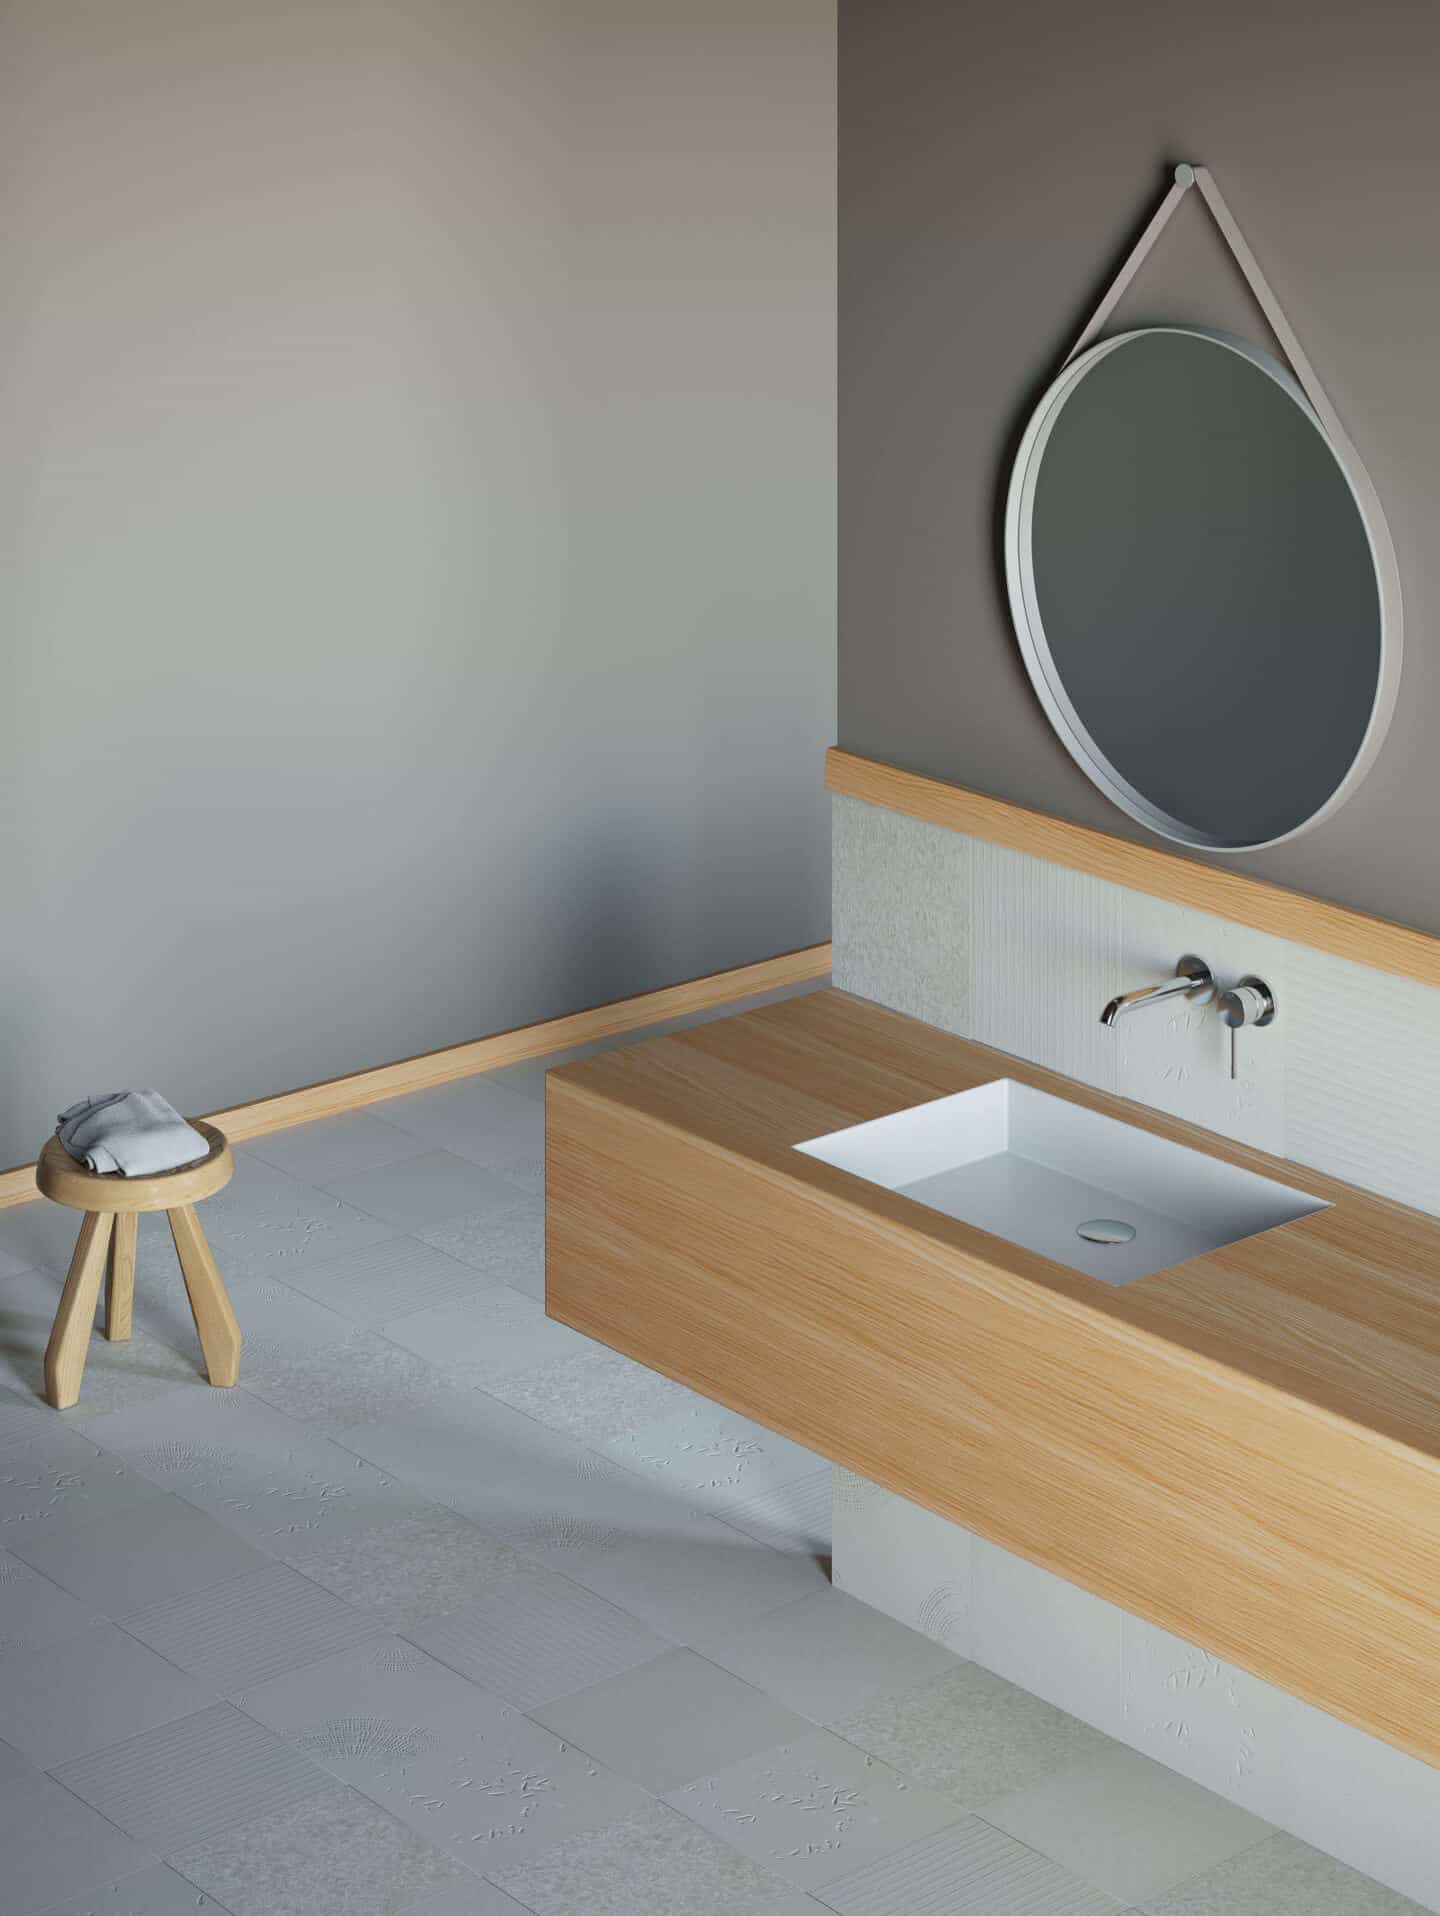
{"x":67,"y":1181}
{"x":106,"y":1247}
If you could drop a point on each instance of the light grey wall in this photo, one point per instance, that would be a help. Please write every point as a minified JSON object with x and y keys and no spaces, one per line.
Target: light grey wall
{"x":995,"y":164}
{"x":416,"y":523}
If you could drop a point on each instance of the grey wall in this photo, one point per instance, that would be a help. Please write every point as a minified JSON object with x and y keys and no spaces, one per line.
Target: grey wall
{"x":995,"y":164}
{"x":416,"y":523}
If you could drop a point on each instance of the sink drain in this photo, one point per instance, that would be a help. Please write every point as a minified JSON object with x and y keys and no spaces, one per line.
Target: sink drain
{"x":1105,"y":1230}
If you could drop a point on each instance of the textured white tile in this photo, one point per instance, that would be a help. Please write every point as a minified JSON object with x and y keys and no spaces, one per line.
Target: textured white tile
{"x":276,"y":1321}
{"x":1048,"y":1635}
{"x":491,"y":1332}
{"x":143,"y":1554}
{"x":1046,"y":946}
{"x":38,"y":1234}
{"x":792,"y":1516}
{"x":1360,"y":1096}
{"x":654,"y":1864}
{"x":970,"y":1869}
{"x":711,"y":1456}
{"x":406,"y":1571}
{"x":33,"y":1610}
{"x":150,"y":1892}
{"x":1211,"y":1721}
{"x":385,"y":1280}
{"x":971,"y":1735}
{"x":902,"y":913}
{"x":814,"y":1809}
{"x":476,"y":1899}
{"x":87,"y":1692}
{"x":115,"y":1374}
{"x":904,"y":1561}
{"x":827,"y":1655}
{"x":477,"y":1119}
{"x":52,"y":1844}
{"x":461,"y":1767}
{"x":505,"y":1241}
{"x":537,"y":1637}
{"x":414,"y":1192}
{"x":190,"y":1779}
{"x":239,"y":1633}
{"x":1177,"y":1058}
{"x":1282,"y":1877}
{"x":691,"y":1588}
{"x":599,"y":1396}
{"x":55,"y":1476}
{"x":344,"y":1387}
{"x":257,"y":1472}
{"x":1125,"y":1824}
{"x":332,"y":1854}
{"x":23,"y":1414}
{"x":671,"y":1720}
{"x":333,"y":1147}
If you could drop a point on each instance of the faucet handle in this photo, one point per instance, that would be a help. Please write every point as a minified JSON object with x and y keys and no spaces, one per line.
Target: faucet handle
{"x":1251,"y":1002}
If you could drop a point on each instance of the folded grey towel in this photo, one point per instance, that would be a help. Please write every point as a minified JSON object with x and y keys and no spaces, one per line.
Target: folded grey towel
{"x":136,"y":1133}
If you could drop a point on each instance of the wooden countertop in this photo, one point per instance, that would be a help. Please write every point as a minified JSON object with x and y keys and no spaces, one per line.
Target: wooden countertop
{"x":1339,"y":1310}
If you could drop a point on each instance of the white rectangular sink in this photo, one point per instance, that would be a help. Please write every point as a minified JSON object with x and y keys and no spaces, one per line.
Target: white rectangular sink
{"x":1036,"y":1169}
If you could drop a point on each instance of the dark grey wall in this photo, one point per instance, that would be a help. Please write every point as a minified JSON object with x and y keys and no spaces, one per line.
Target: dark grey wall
{"x":995,"y":164}
{"x":416,"y":523}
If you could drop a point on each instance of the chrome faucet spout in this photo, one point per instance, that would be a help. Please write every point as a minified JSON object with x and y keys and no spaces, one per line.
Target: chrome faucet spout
{"x":1193,"y":979}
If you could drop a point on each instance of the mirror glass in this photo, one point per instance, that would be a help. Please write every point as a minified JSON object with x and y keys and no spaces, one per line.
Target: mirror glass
{"x":1195,"y":587}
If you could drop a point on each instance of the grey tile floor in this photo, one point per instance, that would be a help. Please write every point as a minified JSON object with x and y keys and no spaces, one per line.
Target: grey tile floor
{"x":447,"y":1611}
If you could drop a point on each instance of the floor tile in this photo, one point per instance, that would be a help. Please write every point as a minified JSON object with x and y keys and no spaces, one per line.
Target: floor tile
{"x":716,"y":1457}
{"x":24,"y":1414}
{"x":972,"y":1735}
{"x":419,"y":1191}
{"x":254,"y":1627}
{"x":333,"y":1147}
{"x":129,"y":1558}
{"x":792,"y":1516}
{"x":386,"y":1280}
{"x":90,"y":1691}
{"x":187,"y":1781}
{"x":490,"y":1333}
{"x":970,"y":1869}
{"x":34,"y":1611}
{"x":53,"y":1845}
{"x":407,"y":1571}
{"x":1126,"y":1824}
{"x":478,"y":1119}
{"x":336,"y":1854}
{"x":692,"y":1589}
{"x":827,"y":1655}
{"x":56,"y":1476}
{"x":458,"y":1764}
{"x":537,"y":1637}
{"x":150,"y":1892}
{"x":259,"y":1473}
{"x":654,"y":1864}
{"x":478,"y":1899}
{"x":505,"y":1241}
{"x":276,"y":1321}
{"x":1282,"y":1876}
{"x":342,"y":1387}
{"x":596,"y":1397}
{"x":36,"y":1236}
{"x":671,"y":1720}
{"x":813,"y":1809}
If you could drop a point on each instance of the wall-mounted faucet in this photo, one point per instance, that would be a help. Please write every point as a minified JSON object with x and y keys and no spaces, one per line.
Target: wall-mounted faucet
{"x":1193,"y":980}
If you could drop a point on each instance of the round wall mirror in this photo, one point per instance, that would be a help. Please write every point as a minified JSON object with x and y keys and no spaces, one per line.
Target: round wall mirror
{"x":1203,"y":587}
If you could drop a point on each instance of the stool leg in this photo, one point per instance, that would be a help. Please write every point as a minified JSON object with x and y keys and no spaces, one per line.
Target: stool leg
{"x":120,"y":1280}
{"x":215,"y":1324}
{"x":70,"y":1338}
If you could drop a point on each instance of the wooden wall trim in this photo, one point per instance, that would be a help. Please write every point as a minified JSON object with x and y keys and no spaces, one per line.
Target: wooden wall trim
{"x":1162,"y":874}
{"x":428,"y":1068}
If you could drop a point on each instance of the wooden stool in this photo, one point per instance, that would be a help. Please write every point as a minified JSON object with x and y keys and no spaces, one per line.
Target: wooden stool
{"x":111,"y":1204}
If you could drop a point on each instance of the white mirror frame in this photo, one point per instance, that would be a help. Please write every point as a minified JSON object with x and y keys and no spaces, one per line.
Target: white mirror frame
{"x":1040,"y":664}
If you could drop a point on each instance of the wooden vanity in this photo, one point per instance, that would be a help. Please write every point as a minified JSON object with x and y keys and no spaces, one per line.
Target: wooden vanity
{"x":1244,"y":1449}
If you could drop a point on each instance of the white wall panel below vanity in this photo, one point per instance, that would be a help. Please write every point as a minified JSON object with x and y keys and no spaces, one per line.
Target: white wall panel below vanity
{"x":1022,"y":954}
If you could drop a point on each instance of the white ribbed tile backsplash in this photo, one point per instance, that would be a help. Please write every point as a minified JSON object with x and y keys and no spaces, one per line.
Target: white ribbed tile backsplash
{"x":1022,"y":954}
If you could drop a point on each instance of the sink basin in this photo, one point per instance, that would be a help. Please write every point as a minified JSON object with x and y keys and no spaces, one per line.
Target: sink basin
{"x":1037,"y":1170}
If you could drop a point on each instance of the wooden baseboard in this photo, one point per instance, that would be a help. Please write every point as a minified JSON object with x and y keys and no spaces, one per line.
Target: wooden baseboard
{"x":1162,"y":874}
{"x":334,"y":1095}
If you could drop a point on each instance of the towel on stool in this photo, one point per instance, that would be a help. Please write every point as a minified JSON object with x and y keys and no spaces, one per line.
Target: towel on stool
{"x":136,"y":1133}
